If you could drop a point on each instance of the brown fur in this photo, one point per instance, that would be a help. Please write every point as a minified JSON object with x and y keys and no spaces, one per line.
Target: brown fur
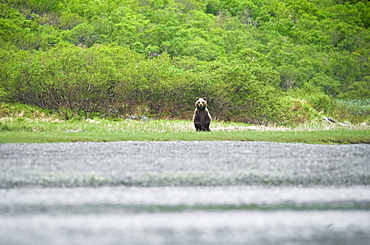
{"x":202,"y":119}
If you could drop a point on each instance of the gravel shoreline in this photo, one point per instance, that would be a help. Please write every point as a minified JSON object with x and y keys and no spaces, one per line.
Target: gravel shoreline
{"x":183,"y":163}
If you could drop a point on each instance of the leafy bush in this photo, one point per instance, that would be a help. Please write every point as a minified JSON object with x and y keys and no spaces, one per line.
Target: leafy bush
{"x":314,"y":96}
{"x":295,"y":111}
{"x":246,"y":92}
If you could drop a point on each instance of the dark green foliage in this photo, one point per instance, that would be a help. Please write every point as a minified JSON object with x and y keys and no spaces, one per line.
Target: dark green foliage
{"x":119,"y":57}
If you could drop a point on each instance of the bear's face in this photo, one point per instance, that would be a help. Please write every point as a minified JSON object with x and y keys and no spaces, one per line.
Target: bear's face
{"x":201,"y":103}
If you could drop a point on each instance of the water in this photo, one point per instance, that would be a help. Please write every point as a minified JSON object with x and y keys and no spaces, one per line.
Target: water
{"x":199,"y":227}
{"x":185,"y":215}
{"x":184,"y":193}
{"x":222,"y":196}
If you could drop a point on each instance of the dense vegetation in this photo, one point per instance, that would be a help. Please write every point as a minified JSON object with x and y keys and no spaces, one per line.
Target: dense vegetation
{"x":282,"y":61}
{"x":21,"y":123}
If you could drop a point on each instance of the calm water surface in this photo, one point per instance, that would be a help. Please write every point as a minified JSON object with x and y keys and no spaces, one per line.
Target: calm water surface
{"x":185,"y":215}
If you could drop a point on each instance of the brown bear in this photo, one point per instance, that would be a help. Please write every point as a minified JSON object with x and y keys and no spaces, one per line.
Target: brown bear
{"x":202,"y":119}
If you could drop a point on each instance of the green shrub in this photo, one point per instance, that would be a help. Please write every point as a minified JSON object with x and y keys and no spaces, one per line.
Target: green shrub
{"x":295,"y":111}
{"x":314,"y":96}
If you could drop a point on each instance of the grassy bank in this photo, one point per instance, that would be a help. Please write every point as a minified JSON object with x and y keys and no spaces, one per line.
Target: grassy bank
{"x":26,"y":130}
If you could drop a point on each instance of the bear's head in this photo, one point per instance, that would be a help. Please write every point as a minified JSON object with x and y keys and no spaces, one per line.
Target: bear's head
{"x":201,"y":103}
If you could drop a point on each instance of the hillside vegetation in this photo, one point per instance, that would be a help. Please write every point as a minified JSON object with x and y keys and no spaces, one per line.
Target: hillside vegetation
{"x":260,"y":61}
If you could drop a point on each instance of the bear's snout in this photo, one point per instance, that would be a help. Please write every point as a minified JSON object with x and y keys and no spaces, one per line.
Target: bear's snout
{"x":201,"y":104}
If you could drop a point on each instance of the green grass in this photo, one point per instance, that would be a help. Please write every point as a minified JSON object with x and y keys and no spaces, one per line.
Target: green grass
{"x":28,"y":130}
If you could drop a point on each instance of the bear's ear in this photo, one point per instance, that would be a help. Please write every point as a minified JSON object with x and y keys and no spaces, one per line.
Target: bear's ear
{"x":205,"y":98}
{"x":197,"y":99}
